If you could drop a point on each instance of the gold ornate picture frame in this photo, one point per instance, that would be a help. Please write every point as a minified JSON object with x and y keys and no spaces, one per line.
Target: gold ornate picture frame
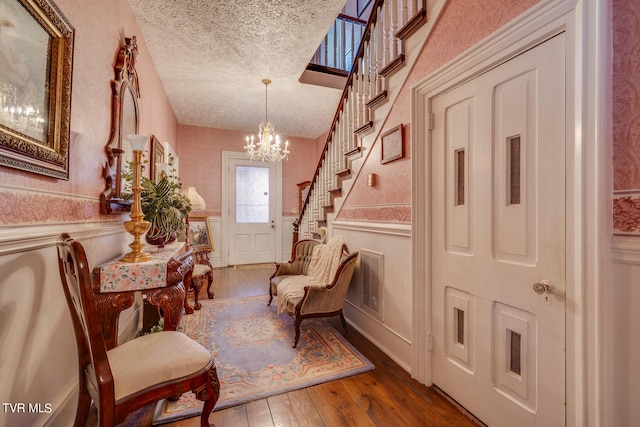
{"x":199,"y":235}
{"x":157,"y":157}
{"x":36,"y":41}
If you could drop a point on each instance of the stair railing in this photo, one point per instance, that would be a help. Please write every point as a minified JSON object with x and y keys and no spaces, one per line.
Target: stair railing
{"x":379,"y":55}
{"x":338,"y":48}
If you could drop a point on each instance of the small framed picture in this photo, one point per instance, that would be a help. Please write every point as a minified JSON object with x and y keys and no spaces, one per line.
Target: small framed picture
{"x":157,"y":160}
{"x":392,"y":145}
{"x":199,"y":235}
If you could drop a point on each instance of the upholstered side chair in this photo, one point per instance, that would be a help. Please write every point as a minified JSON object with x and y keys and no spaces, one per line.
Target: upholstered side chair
{"x":298,"y":265}
{"x":202,"y":274}
{"x":136,"y":373}
{"x":323,"y":301}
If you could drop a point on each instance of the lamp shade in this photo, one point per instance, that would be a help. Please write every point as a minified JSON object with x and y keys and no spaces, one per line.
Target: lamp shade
{"x":138,"y":142}
{"x":197,"y":202}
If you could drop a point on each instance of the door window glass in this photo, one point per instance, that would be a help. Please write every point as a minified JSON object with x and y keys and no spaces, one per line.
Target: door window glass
{"x":252,"y":194}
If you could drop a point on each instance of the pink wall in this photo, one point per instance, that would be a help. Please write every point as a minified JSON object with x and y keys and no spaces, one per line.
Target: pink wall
{"x":462,"y":24}
{"x":626,"y":117}
{"x":200,"y":157}
{"x":100,"y":28}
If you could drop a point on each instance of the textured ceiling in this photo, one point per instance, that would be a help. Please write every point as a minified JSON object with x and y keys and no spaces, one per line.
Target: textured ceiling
{"x":212,"y":55}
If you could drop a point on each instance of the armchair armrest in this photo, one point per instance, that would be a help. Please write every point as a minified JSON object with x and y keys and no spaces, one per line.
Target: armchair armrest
{"x":328,"y":298}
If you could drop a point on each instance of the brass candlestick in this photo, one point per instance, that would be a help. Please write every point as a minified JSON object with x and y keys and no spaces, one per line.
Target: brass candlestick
{"x":137,"y":226}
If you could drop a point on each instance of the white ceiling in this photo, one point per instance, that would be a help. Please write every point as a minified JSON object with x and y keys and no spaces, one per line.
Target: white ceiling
{"x":212,"y":55}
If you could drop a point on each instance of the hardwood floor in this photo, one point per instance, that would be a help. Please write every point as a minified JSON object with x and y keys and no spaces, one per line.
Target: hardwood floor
{"x":386,"y":396}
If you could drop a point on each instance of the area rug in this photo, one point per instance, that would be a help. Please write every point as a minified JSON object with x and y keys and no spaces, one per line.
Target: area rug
{"x":251,"y":345}
{"x":254,"y":266}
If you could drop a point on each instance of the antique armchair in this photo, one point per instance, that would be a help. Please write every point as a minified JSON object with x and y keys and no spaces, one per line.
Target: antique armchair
{"x":315,"y":282}
{"x":299,"y":264}
{"x":136,"y":373}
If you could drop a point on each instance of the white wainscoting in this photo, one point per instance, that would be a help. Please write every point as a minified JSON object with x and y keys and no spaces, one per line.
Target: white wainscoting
{"x":392,"y":331}
{"x":624,"y":337}
{"x":39,"y":358}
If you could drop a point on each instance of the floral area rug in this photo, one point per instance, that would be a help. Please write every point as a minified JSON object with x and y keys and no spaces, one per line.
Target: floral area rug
{"x":251,"y":345}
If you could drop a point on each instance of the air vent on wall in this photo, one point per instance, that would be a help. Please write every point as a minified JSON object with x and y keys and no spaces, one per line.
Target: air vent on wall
{"x":372,"y":264}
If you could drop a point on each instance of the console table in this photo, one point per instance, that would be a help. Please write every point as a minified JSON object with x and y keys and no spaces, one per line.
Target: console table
{"x":161,"y":280}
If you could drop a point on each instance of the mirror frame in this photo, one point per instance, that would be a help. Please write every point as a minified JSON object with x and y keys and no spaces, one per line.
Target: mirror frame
{"x":125,"y":82}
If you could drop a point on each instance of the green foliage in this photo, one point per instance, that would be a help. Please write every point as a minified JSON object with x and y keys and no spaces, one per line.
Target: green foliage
{"x":161,"y":203}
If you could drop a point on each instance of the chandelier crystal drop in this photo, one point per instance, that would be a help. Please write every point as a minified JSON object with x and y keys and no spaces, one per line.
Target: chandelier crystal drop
{"x":268,"y":146}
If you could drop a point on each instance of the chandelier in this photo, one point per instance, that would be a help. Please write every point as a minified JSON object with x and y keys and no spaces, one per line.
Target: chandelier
{"x":268,"y":145}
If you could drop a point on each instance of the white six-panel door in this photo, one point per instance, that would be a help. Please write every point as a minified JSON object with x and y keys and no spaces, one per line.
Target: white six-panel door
{"x":498,"y":248}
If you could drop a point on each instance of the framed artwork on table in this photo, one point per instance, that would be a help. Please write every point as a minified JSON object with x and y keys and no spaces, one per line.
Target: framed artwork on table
{"x":199,"y":235}
{"x":158,"y":160}
{"x":392,"y":145}
{"x":36,"y":62}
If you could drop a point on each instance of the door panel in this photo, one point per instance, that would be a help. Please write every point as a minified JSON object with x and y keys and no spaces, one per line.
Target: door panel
{"x":251,"y":212}
{"x":498,"y":227}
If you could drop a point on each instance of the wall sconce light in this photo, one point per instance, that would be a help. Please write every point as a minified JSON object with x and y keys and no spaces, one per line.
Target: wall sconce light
{"x":137,"y":226}
{"x":371,"y":180}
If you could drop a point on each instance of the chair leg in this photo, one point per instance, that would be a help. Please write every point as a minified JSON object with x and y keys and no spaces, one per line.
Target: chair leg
{"x":209,"y":395}
{"x":209,"y":283}
{"x":195,"y":285}
{"x":297,"y":325}
{"x":343,"y":321}
{"x":84,"y":404}
{"x":270,"y":295}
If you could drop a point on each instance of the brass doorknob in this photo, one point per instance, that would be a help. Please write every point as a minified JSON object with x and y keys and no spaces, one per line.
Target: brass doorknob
{"x":543,"y":287}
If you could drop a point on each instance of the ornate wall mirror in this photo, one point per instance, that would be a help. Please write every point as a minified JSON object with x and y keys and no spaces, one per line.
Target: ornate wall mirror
{"x":124,"y":120}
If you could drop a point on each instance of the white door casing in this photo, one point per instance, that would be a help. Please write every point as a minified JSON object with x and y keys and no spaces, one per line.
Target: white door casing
{"x":498,"y":228}
{"x":251,"y":242}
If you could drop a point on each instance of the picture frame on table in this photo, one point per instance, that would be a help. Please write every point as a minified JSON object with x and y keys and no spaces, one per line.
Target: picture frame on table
{"x":36,"y":41}
{"x":199,"y":233}
{"x":392,"y":145}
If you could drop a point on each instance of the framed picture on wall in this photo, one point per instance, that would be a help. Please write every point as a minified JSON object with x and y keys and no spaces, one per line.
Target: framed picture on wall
{"x":158,"y":163}
{"x":392,"y":145}
{"x":36,"y":57}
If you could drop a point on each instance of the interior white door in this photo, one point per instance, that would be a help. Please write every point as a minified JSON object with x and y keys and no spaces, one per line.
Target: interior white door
{"x":251,"y":212}
{"x":498,"y":248}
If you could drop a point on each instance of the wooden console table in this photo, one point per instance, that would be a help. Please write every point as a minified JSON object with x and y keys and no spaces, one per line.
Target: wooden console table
{"x":161,"y":280}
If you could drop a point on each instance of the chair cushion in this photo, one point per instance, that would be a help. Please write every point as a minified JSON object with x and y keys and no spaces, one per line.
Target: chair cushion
{"x":153,"y":359}
{"x":200,"y":269}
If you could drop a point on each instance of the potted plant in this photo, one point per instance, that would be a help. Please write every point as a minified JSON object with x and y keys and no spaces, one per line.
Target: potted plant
{"x":162,"y":205}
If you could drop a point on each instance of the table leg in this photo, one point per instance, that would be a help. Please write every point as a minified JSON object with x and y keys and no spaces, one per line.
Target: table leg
{"x":109,"y":306}
{"x":171,"y":300}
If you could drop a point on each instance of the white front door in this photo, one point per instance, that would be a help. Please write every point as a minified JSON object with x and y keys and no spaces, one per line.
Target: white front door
{"x":252,"y":212}
{"x":498,"y":227}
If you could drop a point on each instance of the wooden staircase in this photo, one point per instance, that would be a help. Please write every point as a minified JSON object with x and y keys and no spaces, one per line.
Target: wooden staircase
{"x":380,"y":56}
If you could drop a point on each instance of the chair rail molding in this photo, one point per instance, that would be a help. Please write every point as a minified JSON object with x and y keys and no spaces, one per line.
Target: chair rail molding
{"x":23,"y":238}
{"x":625,"y":250}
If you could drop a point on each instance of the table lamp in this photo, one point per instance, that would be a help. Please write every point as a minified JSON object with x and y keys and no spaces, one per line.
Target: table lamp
{"x":137,"y":226}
